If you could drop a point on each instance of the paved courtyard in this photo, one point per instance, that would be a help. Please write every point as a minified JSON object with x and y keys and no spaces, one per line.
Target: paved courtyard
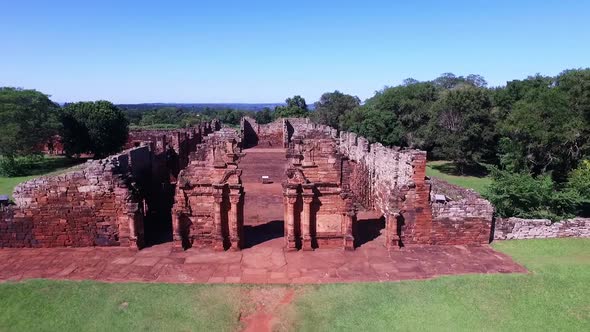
{"x":263,"y":263}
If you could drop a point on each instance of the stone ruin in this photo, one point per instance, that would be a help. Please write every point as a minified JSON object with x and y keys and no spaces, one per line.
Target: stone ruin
{"x":108,"y":202}
{"x":187,"y":186}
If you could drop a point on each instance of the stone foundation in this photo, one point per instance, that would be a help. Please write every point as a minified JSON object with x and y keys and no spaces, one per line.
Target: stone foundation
{"x":517,"y":228}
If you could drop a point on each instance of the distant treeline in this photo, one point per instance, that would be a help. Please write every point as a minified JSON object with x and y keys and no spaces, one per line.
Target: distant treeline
{"x":179,"y":117}
{"x":199,"y":107}
{"x":183,"y":115}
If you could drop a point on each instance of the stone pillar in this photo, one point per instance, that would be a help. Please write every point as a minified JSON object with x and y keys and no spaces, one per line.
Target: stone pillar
{"x":176,"y":235}
{"x":349,"y":220}
{"x":306,"y":222}
{"x":234,"y":222}
{"x":392,"y":239}
{"x":290,"y":244}
{"x":217,"y":220}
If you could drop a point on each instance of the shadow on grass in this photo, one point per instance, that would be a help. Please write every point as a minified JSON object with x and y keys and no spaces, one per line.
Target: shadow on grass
{"x":450,"y":168}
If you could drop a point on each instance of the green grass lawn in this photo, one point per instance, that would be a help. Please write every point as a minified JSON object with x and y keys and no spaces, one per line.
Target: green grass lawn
{"x":49,"y":165}
{"x":445,"y":170}
{"x":42,"y":305}
{"x":554,"y":296}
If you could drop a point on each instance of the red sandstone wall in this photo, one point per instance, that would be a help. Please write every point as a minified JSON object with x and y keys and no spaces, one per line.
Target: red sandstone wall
{"x":465,"y":218}
{"x":52,"y":146}
{"x":394,"y":182}
{"x":203,"y":191}
{"x":90,"y":206}
{"x":270,"y":135}
{"x":316,"y":156}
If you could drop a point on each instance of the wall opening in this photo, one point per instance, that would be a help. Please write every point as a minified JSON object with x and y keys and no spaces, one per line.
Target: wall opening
{"x":368,"y":227}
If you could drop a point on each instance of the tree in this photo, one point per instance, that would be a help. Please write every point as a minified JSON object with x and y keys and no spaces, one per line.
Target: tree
{"x":332,"y":106}
{"x":264,"y":116}
{"x":545,"y":134}
{"x":28,"y":119}
{"x":373,"y":124}
{"x":449,"y":81}
{"x":93,"y":127}
{"x":295,"y":107}
{"x":404,"y":112}
{"x":463,"y":126}
{"x":576,"y":83}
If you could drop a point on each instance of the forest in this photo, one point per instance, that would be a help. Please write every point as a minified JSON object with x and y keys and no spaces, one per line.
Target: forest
{"x":531,"y":135}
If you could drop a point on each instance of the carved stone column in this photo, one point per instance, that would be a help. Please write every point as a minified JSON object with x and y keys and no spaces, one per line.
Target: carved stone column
{"x":349,"y":220}
{"x":306,"y":222}
{"x":291,"y":244}
{"x":234,"y":222}
{"x":217,"y":220}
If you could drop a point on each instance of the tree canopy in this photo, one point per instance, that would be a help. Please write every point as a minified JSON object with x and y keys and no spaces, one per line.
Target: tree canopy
{"x":93,"y":127}
{"x":295,"y":107}
{"x":28,"y":118}
{"x":332,"y":106}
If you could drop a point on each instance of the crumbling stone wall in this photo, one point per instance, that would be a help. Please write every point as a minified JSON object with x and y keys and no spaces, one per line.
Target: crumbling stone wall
{"x":174,"y":145}
{"x":269,"y":135}
{"x":463,"y":217}
{"x":103,"y":202}
{"x":517,"y":228}
{"x":399,"y":189}
{"x":95,"y":205}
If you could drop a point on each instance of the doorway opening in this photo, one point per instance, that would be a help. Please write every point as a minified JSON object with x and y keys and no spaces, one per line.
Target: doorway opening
{"x":368,"y":228}
{"x":263,"y":170}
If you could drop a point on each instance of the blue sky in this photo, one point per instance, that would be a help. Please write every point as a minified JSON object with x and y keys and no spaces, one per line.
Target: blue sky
{"x":265,"y":51}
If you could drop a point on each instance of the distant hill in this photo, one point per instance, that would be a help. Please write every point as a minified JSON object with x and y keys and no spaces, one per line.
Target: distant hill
{"x":197,"y":107}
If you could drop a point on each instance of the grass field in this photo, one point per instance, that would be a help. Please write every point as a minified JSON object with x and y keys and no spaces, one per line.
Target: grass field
{"x":554,"y":296}
{"x":445,"y":170}
{"x":49,"y":165}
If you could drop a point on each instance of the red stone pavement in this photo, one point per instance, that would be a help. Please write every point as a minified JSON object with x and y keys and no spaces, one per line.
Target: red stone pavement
{"x":264,"y":263}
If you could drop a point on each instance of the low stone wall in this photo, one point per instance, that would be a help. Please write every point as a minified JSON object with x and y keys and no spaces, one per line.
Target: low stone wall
{"x":517,"y":228}
{"x":463,"y":218}
{"x":94,"y":205}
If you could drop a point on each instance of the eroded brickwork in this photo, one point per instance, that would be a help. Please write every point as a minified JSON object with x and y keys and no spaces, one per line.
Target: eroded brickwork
{"x":96,"y":205}
{"x":269,"y":135}
{"x":319,"y":210}
{"x":208,"y":209}
{"x":103,"y":202}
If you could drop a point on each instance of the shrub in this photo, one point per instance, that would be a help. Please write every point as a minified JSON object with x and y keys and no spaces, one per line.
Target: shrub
{"x":18,"y":166}
{"x":523,"y":195}
{"x":579,"y":181}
